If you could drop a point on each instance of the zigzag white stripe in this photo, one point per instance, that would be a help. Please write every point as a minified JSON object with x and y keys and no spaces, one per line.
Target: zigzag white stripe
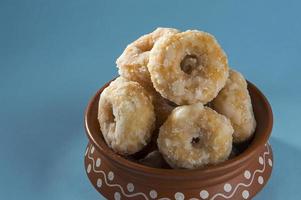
{"x":114,"y":185}
{"x":215,"y":196}
{"x":242,"y":184}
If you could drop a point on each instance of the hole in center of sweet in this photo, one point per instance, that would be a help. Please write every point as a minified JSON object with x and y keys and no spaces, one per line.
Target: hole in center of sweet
{"x":189,"y":63}
{"x":111,"y":115}
{"x":196,"y":142}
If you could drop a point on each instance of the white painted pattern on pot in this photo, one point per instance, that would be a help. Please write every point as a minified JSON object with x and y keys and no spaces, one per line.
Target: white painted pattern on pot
{"x":153,"y":194}
{"x":247,"y":174}
{"x":245,"y":193}
{"x":260,"y":160}
{"x":111,"y":176}
{"x":227,"y":187}
{"x":130,"y":187}
{"x":86,"y":151}
{"x":260,"y":180}
{"x":98,"y":162}
{"x":89,"y":168}
{"x":92,"y":149}
{"x":117,"y":195}
{"x":179,"y":196}
{"x":99,"y":183}
{"x":204,"y":194}
{"x":270,"y":162}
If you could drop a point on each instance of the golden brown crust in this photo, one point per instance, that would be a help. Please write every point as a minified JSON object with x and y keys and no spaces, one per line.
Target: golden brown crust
{"x":194,"y":136}
{"x":203,"y":82}
{"x":133,"y":61}
{"x":126,"y":116}
{"x":234,"y":102}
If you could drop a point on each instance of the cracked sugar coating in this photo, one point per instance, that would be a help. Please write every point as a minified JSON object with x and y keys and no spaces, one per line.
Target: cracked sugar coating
{"x":133,"y":61}
{"x":126,"y":116}
{"x":234,"y":102}
{"x":194,"y":136}
{"x":188,"y":67}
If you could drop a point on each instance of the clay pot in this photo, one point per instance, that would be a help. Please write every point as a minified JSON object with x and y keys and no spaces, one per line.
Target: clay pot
{"x":241,"y":177}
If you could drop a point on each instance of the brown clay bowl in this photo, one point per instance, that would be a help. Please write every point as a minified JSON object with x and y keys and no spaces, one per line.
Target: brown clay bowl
{"x":241,"y":177}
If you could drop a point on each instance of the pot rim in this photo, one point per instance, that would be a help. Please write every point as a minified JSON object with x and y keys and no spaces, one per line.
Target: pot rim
{"x":259,"y":140}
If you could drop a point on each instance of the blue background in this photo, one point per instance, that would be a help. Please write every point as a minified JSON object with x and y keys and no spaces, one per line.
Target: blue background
{"x":55,"y":54}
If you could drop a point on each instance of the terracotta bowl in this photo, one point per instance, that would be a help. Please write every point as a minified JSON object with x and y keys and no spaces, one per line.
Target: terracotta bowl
{"x":241,"y":177}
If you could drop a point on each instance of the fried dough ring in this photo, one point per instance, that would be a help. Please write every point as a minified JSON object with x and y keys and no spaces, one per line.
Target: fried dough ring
{"x":194,"y":136}
{"x":133,"y":61}
{"x":234,"y":102}
{"x":188,"y":67}
{"x":126,"y":116}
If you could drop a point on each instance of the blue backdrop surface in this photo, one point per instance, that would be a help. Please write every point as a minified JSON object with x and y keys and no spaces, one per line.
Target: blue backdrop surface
{"x":55,"y":54}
